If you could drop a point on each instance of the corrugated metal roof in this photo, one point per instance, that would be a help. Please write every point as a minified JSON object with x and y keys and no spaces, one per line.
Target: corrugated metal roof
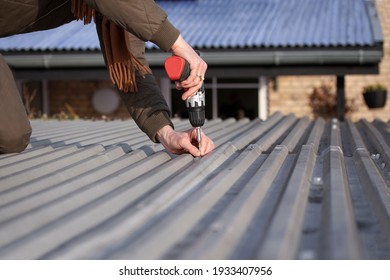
{"x":284,"y":188}
{"x":236,"y":24}
{"x":272,"y":23}
{"x":68,"y":37}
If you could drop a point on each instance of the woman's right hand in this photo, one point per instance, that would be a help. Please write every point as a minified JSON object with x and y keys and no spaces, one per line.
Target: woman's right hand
{"x":198,"y":67}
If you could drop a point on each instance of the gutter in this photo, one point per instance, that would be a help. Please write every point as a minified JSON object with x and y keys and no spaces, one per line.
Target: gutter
{"x":213,"y":58}
{"x":299,"y":57}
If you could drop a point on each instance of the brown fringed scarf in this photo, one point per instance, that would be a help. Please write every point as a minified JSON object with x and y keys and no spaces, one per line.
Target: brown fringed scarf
{"x":121,"y":63}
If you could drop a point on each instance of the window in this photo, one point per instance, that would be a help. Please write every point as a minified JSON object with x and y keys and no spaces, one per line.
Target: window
{"x":237,"y":98}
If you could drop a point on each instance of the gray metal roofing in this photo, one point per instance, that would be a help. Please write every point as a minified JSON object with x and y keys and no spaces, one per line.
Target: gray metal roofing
{"x":284,"y":188}
{"x":236,"y":24}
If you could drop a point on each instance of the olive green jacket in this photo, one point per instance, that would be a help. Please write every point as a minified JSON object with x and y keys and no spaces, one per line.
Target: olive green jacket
{"x":142,"y":18}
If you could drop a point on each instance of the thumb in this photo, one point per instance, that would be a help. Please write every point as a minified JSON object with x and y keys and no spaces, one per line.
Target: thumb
{"x":189,"y":146}
{"x":192,"y":150}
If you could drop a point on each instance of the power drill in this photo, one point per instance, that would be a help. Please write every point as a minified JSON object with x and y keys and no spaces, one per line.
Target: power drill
{"x":178,"y":69}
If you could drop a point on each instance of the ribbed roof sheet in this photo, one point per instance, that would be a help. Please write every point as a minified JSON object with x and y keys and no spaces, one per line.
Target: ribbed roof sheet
{"x":72,"y":36}
{"x":272,"y":23}
{"x":284,"y":188}
{"x":235,"y":24}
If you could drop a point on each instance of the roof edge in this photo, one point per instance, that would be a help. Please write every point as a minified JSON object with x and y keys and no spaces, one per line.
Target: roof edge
{"x":374,"y":21}
{"x":359,"y":56}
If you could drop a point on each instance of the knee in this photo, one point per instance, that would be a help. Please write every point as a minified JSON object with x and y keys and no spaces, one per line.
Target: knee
{"x":15,"y":143}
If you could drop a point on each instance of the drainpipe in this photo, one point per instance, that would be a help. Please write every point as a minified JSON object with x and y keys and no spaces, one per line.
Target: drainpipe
{"x":45,"y":98}
{"x":214,"y":94}
{"x":262,"y":98}
{"x":340,"y":85}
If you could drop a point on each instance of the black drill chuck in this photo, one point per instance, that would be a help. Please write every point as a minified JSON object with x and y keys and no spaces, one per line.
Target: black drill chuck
{"x":196,"y":108}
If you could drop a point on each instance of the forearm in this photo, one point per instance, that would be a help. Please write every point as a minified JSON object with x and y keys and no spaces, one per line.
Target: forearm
{"x":148,"y":107}
{"x":143,"y":18}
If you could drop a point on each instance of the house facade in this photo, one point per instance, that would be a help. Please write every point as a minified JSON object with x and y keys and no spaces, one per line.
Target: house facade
{"x":263,"y":57}
{"x":291,"y":93}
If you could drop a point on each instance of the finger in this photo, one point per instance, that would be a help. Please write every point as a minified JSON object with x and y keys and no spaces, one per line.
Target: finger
{"x":178,"y":86}
{"x":196,"y":76}
{"x":193,"y":150}
{"x":190,"y":92}
{"x":195,"y":81}
{"x":207,"y":146}
{"x":186,"y":145}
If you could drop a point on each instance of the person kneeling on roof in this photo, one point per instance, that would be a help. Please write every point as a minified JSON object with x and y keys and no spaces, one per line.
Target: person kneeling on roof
{"x":123,"y":28}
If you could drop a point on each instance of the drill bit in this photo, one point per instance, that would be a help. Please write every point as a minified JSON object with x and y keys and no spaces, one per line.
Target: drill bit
{"x":198,"y":136}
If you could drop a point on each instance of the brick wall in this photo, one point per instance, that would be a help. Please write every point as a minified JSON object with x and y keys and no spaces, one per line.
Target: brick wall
{"x":78,"y":95}
{"x":292,"y":92}
{"x":355,"y":84}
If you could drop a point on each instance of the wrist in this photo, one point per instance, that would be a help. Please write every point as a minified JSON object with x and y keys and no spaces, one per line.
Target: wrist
{"x":177,"y":44}
{"x":166,"y":36}
{"x":163,"y":133}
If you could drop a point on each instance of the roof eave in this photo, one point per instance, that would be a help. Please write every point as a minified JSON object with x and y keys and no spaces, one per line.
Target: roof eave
{"x":356,"y":56}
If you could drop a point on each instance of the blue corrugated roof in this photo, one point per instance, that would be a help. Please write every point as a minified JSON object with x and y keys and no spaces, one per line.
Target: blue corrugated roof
{"x":234,"y":24}
{"x":71,"y":36}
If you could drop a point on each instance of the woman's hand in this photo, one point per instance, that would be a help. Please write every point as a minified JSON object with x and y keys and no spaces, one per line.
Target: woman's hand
{"x":184,"y":142}
{"x":197,"y":65}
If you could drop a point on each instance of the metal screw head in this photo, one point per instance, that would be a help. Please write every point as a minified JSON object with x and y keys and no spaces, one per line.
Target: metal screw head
{"x":317,"y":181}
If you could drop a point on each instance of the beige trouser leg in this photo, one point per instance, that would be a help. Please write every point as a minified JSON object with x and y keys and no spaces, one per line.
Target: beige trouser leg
{"x":15,"y":129}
